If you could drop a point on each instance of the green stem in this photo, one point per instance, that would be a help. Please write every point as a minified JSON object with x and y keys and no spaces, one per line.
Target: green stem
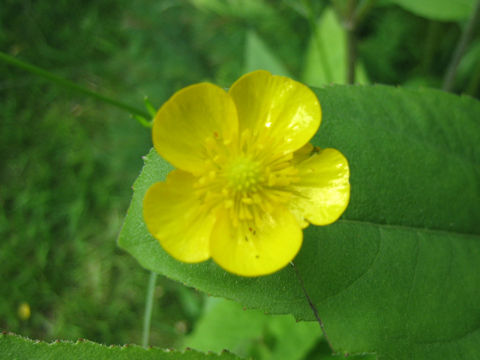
{"x":69,"y":85}
{"x":363,"y":9}
{"x":467,"y":33}
{"x":350,"y":27}
{"x":148,"y":309}
{"x":351,"y":16}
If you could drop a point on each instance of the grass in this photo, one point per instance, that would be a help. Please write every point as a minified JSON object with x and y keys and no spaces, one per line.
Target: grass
{"x":67,"y":167}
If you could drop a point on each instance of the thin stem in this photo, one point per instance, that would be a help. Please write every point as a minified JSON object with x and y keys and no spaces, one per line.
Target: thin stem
{"x":148,"y":309}
{"x":449,"y":79}
{"x":352,"y":54}
{"x":351,"y":18}
{"x":69,"y":85}
{"x":350,"y":27}
{"x":362,"y":10}
{"x":312,"y":306}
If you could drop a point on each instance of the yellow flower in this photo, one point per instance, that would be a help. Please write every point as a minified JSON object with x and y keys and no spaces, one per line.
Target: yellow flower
{"x":246,"y":180}
{"x":24,"y":311}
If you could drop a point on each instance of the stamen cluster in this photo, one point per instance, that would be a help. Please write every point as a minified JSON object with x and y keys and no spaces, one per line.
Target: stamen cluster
{"x":247,"y":185}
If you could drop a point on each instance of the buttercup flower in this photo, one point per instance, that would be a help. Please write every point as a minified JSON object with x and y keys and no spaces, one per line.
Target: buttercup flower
{"x":246,"y":180}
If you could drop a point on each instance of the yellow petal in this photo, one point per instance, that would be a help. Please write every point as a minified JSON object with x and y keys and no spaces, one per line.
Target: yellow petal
{"x":324,"y":188}
{"x":303,"y":153}
{"x":191,"y":122}
{"x":278,"y":111}
{"x":256,"y":250}
{"x":176,"y":219}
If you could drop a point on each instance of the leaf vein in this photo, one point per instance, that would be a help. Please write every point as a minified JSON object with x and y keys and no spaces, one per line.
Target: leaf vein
{"x":410,"y":228}
{"x":354,"y":281}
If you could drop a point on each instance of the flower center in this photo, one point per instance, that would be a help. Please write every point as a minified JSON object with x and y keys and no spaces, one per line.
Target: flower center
{"x":243,"y":174}
{"x":245,"y":180}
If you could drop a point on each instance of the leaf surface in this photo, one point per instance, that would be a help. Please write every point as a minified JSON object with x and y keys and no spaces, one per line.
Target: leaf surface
{"x":446,"y":10}
{"x":258,"y":56}
{"x":397,"y":275}
{"x":226,"y":325}
{"x":326,"y":55}
{"x":15,"y":347}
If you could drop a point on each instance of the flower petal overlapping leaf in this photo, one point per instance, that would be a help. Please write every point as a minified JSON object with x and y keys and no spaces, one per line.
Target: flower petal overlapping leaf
{"x":247,"y":181}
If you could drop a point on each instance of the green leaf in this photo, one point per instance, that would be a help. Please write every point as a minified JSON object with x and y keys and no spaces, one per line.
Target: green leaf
{"x":398,"y":274}
{"x":259,"y":57}
{"x":326,"y":56}
{"x":14,"y":347}
{"x":292,"y":339}
{"x":225,"y":325}
{"x":446,"y":10}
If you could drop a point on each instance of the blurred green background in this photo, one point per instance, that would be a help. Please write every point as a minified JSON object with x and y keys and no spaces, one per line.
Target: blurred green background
{"x":68,"y":161}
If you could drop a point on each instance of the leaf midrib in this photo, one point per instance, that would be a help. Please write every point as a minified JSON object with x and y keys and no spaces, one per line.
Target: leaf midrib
{"x":441,"y":232}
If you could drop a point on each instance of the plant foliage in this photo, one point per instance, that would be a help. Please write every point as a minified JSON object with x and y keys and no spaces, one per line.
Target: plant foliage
{"x":396,"y":276}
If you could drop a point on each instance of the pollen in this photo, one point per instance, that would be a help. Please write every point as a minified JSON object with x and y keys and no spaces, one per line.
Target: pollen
{"x":243,"y":174}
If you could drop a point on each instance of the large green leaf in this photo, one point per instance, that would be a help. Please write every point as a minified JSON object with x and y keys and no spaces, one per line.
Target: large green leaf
{"x":447,"y":10}
{"x":15,"y":347}
{"x":398,"y":274}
